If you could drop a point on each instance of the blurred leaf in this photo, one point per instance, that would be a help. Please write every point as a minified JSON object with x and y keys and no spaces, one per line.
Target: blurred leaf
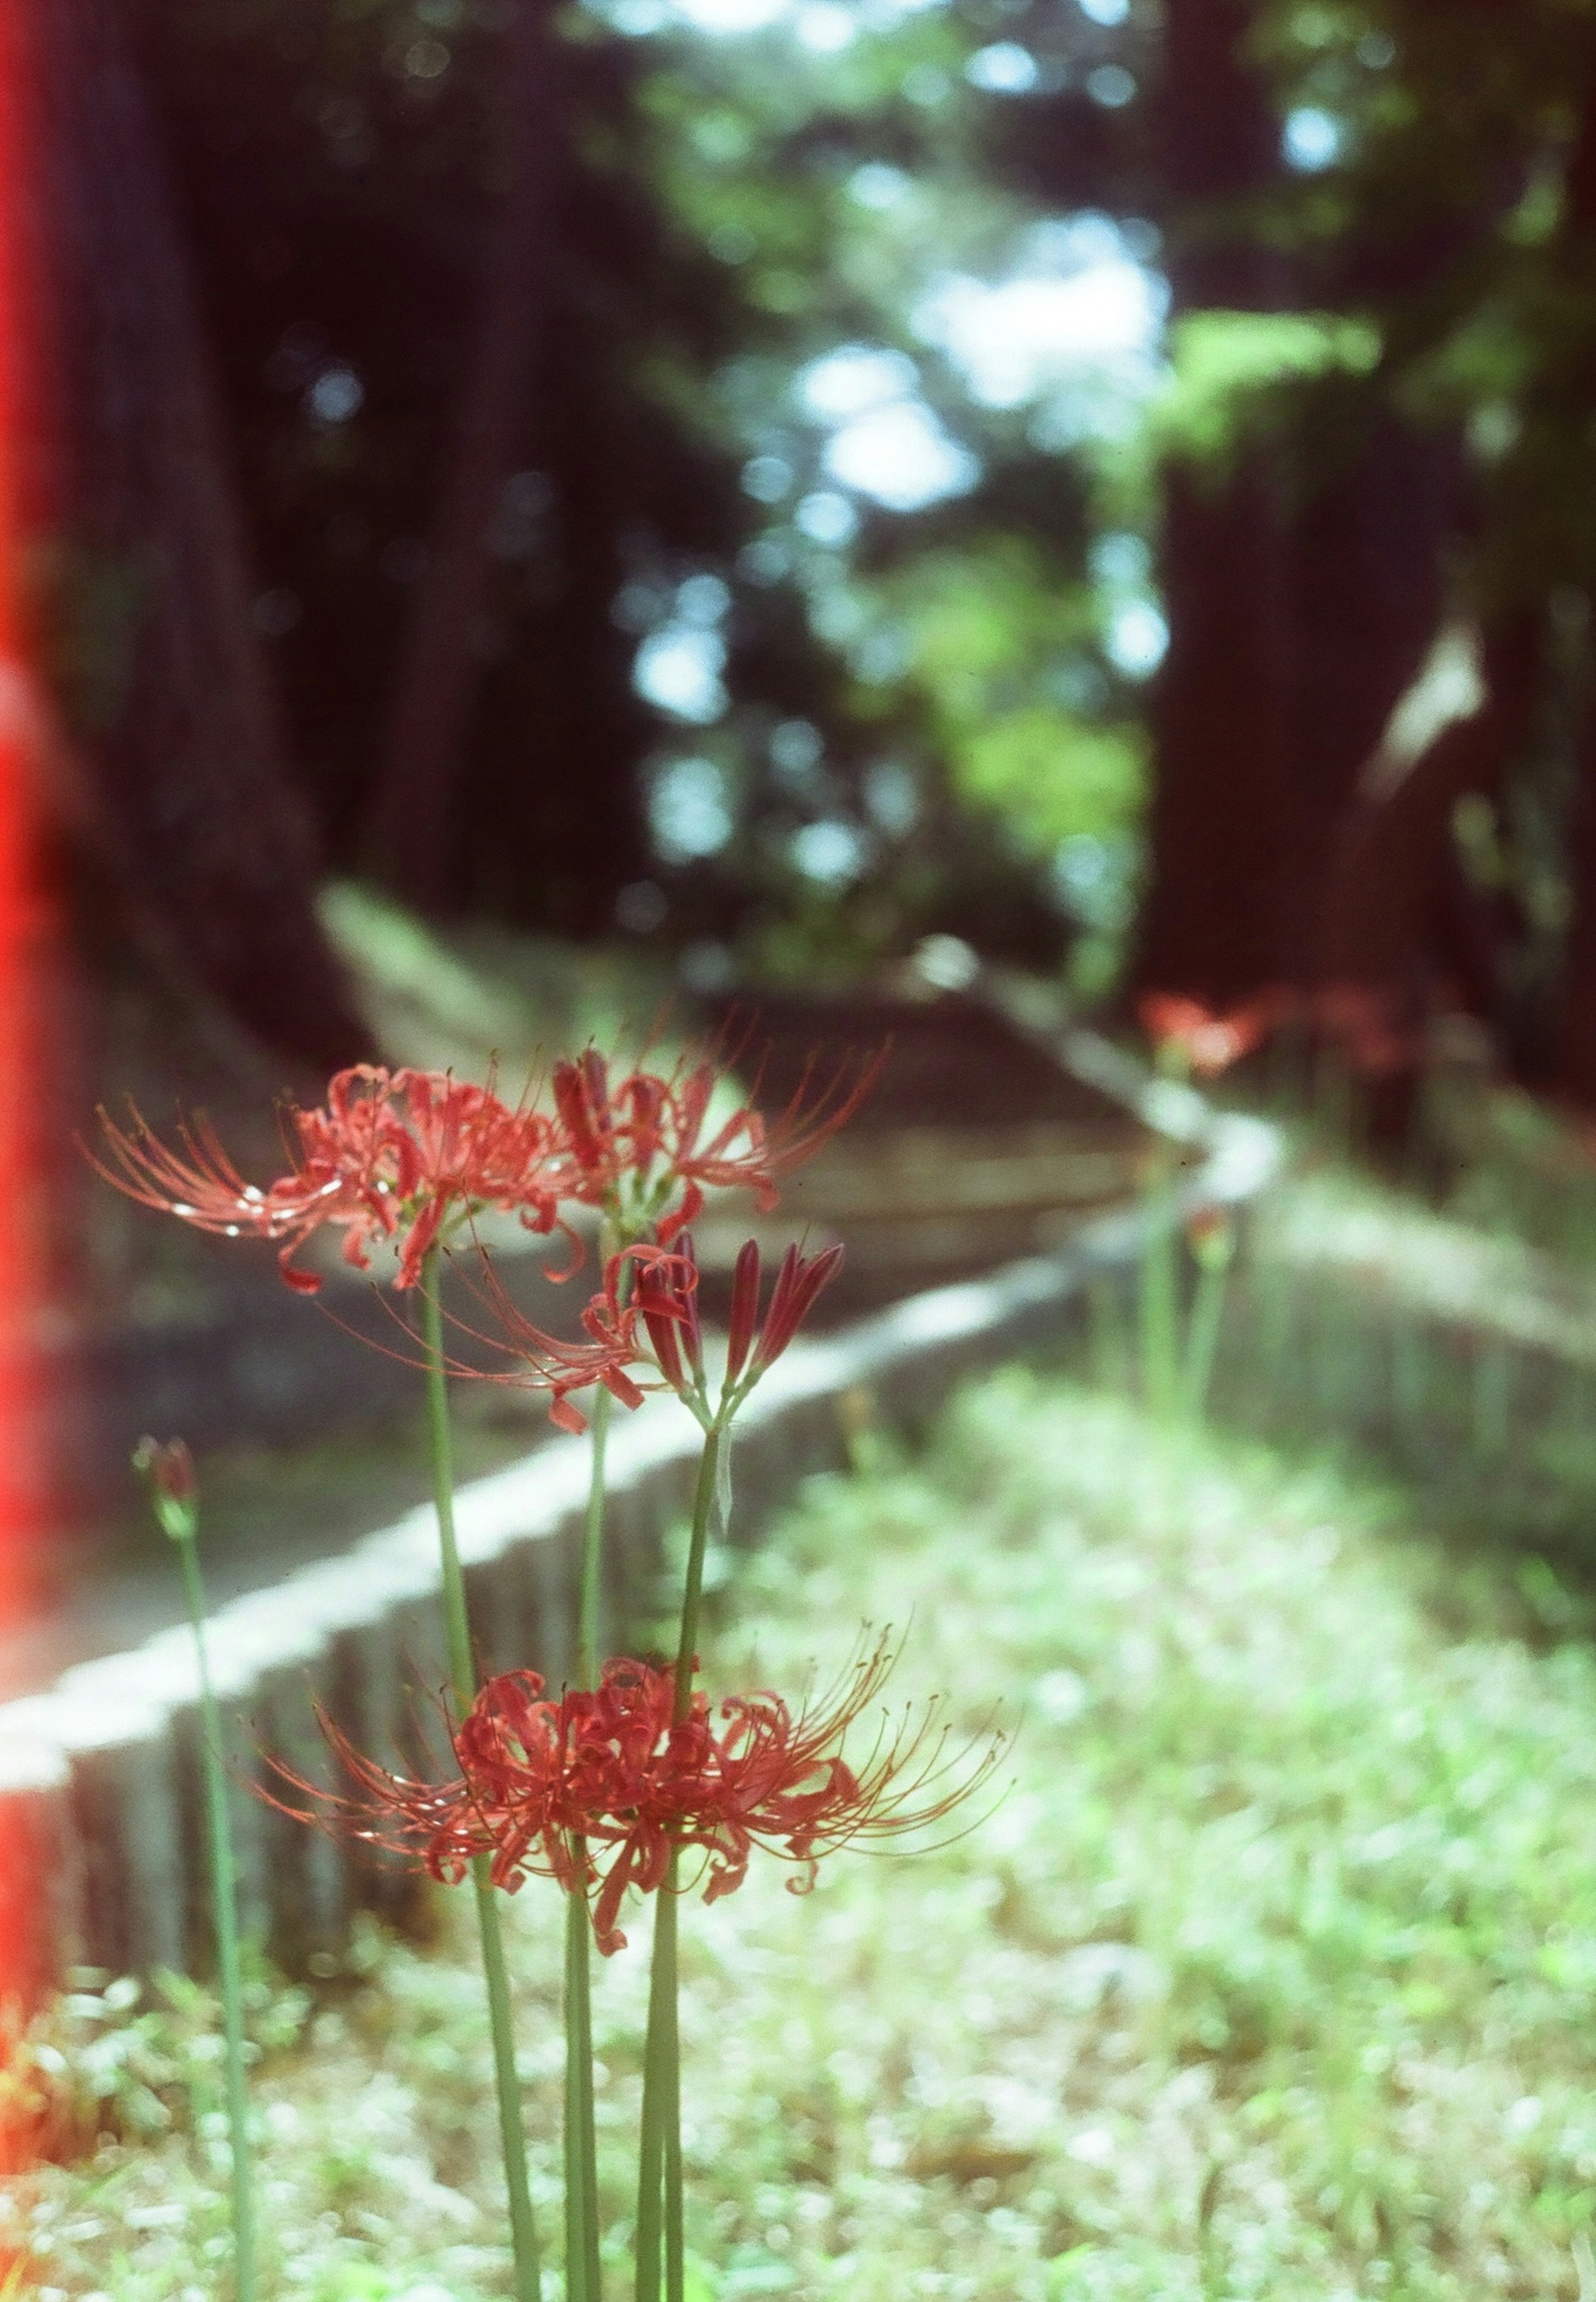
{"x":1227,"y":363}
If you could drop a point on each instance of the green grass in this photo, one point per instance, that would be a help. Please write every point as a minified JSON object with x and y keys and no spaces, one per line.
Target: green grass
{"x":1273,"y":1974}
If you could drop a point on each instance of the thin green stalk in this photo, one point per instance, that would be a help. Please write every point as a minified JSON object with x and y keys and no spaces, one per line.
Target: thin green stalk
{"x":584,"y":2276}
{"x":584,"y":2272}
{"x":693,"y":1590}
{"x":590,"y":1597}
{"x":651,"y":2150}
{"x":1160,"y":1302}
{"x":1490,"y":1395}
{"x":659,"y":2154}
{"x":224,"y":1913}
{"x":1409,"y":1384}
{"x":1202,"y":1335}
{"x":462,"y":1670}
{"x":676,"y":2249}
{"x":1105,"y":1335}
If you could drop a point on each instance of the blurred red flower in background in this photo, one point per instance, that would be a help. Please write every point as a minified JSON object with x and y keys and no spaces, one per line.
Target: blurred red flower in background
{"x":1206,"y":1041}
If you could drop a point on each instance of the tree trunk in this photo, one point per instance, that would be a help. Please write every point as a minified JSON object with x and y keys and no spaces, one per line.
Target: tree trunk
{"x":1575,"y":1044}
{"x":1366,"y":601}
{"x":1574,"y":1028}
{"x":183,"y":796}
{"x":413,"y":815}
{"x":1211,"y":923}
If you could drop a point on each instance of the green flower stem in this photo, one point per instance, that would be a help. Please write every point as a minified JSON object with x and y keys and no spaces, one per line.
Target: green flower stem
{"x":584,"y":2272}
{"x":1490,"y":1395}
{"x":676,"y":2250}
{"x":584,"y":2276}
{"x":1160,"y":1298}
{"x":462,"y":1671}
{"x":660,"y":2160}
{"x":1202,"y":1336}
{"x":657,"y":2048}
{"x":224,"y":1915}
{"x":591,"y":1596}
{"x":715,"y":1440}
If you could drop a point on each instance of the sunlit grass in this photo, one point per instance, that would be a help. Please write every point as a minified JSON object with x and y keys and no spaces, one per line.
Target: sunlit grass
{"x":1272,"y":1975}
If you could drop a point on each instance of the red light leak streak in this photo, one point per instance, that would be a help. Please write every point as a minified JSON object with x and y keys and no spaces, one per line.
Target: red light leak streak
{"x":29,"y":1114}
{"x":28,"y":1107}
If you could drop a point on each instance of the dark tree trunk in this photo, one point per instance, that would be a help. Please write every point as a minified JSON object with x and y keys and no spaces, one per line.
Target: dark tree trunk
{"x":183,"y":793}
{"x":1575,"y":1045}
{"x":1574,"y":1057}
{"x":1303,"y":590}
{"x":413,"y":828}
{"x":1211,"y":921}
{"x":1366,"y":602}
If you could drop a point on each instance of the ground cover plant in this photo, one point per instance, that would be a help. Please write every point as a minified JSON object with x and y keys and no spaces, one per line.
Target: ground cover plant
{"x":1272,"y":1975}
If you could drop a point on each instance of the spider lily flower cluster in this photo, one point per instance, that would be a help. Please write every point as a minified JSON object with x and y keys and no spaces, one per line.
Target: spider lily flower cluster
{"x":400,"y":1157}
{"x":1204,"y":1042}
{"x":599,"y":1789}
{"x":610,"y":1786}
{"x":410,"y":1158}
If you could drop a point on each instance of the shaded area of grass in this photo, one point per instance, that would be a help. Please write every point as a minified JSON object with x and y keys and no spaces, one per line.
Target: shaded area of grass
{"x":1271,"y":1976}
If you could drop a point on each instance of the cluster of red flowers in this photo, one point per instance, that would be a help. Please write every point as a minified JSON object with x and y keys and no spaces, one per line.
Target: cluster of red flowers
{"x":1362,"y":1019}
{"x":410,"y":1158}
{"x":1201,"y":1039}
{"x":632,"y":1149}
{"x":390,"y":1156}
{"x":599,"y":1790}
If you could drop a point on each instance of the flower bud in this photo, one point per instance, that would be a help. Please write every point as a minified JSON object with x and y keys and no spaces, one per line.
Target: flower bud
{"x":745,"y":1309}
{"x":798,"y":1281}
{"x":1211,"y":1234}
{"x":167,"y":1469}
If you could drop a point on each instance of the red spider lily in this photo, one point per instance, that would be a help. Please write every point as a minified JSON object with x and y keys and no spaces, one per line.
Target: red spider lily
{"x":656,"y":1288}
{"x":345,"y":1176}
{"x":471,"y":1151}
{"x":662,"y":1297}
{"x":389,"y":1156}
{"x":1363,"y":1020}
{"x":633,"y":1147}
{"x":799,"y":1279}
{"x":600,"y":1790}
{"x":667,"y":1296}
{"x":1204,"y":1041}
{"x":747,"y":1151}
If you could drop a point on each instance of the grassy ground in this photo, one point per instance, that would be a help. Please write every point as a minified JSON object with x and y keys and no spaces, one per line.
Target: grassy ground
{"x":1272,"y":1974}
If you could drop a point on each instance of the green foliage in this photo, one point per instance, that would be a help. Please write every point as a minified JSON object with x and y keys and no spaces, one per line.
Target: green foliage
{"x":1228,"y":366}
{"x":994,"y":637}
{"x":1054,"y":775}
